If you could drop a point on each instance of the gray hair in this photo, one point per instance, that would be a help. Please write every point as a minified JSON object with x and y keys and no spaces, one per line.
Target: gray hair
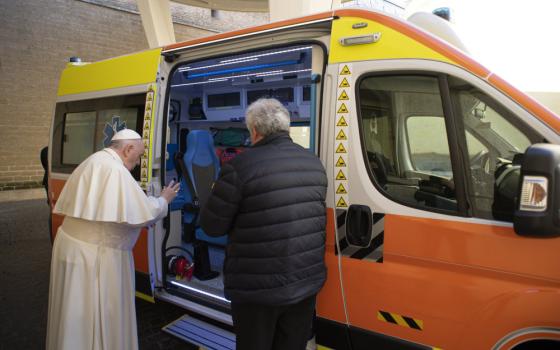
{"x":267,"y":116}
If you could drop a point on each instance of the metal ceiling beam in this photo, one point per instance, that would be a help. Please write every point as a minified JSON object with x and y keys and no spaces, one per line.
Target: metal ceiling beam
{"x":156,"y":19}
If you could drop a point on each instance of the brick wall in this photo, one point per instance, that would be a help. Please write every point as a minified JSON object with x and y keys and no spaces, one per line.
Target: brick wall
{"x":36,"y":39}
{"x":194,"y":16}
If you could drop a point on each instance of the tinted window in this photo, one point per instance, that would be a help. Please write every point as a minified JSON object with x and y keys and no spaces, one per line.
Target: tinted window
{"x":306,"y":93}
{"x":111,"y":117}
{"x":230,"y":99}
{"x":78,"y":140}
{"x":405,"y":139}
{"x":254,"y":95}
{"x":284,"y":95}
{"x":300,"y":135}
{"x":83,"y":127}
{"x":495,"y":142}
{"x":429,"y":149}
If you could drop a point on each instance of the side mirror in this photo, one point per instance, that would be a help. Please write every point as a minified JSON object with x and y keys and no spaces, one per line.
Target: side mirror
{"x":538,"y":207}
{"x":480,"y":113}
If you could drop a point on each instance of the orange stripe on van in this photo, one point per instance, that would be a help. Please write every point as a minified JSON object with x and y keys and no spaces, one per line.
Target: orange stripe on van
{"x":422,"y":37}
{"x":527,"y":102}
{"x":484,"y":247}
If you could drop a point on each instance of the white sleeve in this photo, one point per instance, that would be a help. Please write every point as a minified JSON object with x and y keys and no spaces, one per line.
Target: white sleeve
{"x":160,"y":206}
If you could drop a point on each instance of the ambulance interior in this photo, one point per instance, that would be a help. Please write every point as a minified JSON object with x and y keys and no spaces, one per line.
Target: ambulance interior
{"x":206,"y":129}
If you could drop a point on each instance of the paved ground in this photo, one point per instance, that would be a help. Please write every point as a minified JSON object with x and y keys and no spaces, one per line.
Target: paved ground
{"x":21,"y":195}
{"x":24,"y":281}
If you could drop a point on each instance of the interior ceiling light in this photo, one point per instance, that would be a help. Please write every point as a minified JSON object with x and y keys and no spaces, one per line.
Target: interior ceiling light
{"x":188,"y":69}
{"x":272,"y":71}
{"x":242,"y":59}
{"x":261,"y":74}
{"x":217,"y":79}
{"x":199,"y":83}
{"x":265,"y":74}
{"x":235,"y":60}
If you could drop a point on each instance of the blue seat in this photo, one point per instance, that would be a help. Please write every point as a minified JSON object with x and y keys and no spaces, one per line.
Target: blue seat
{"x":203,"y":167}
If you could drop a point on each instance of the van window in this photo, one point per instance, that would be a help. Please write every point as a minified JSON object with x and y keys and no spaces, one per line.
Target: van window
{"x":123,"y":117}
{"x":79,"y":132}
{"x":84,"y":127}
{"x":232,"y":99}
{"x":495,"y":142}
{"x":306,"y":93}
{"x":429,"y":149}
{"x":300,"y":135}
{"x":284,"y":95}
{"x":474,"y":146}
{"x":85,"y":133}
{"x":405,"y":140}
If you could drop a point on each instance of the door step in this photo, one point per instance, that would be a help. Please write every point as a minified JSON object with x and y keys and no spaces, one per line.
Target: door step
{"x":200,"y":333}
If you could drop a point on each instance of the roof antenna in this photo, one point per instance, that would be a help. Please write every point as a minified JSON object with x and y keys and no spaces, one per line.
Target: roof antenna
{"x":443,"y":12}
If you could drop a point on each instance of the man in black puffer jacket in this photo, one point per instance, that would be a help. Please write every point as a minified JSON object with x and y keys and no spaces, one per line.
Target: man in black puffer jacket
{"x":270,"y":200}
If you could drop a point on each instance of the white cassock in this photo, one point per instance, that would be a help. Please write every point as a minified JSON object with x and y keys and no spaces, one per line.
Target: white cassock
{"x":91,"y":295}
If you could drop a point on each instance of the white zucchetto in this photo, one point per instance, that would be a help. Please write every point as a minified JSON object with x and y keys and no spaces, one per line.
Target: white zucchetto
{"x":126,"y":134}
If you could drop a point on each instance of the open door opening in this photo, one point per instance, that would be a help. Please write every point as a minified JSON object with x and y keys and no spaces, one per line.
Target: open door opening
{"x":206,"y":128}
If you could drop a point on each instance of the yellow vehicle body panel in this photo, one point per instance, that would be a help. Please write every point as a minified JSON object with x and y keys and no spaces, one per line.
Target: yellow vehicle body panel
{"x":392,"y":44}
{"x":123,"y":71}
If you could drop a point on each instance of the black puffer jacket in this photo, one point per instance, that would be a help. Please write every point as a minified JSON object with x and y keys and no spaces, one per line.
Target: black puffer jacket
{"x":271,"y":202}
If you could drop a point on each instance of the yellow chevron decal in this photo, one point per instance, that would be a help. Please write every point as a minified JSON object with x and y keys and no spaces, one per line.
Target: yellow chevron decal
{"x":403,"y":321}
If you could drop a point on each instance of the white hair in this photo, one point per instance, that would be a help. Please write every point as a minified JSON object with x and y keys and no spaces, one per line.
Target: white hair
{"x":119,"y":144}
{"x":267,"y":116}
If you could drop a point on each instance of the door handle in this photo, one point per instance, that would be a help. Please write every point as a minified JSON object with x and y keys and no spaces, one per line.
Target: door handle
{"x":359,"y":225}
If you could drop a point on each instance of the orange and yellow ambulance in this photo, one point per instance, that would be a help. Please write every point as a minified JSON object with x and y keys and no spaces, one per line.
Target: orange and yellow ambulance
{"x":444,"y":180}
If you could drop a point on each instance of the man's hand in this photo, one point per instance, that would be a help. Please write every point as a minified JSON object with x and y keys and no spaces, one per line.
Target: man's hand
{"x":169,"y":192}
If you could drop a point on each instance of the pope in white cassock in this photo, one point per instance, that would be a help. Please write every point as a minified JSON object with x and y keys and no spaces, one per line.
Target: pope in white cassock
{"x":91,"y":295}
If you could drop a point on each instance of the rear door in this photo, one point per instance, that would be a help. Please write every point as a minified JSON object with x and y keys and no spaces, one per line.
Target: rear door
{"x":95,"y":99}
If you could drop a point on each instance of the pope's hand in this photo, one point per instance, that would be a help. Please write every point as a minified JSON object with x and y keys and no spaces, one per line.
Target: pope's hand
{"x":169,"y":192}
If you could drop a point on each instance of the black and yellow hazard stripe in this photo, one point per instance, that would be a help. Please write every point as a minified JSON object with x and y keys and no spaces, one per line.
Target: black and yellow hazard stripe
{"x":373,"y":252}
{"x":375,"y":243}
{"x":340,"y":226}
{"x":400,"y":320}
